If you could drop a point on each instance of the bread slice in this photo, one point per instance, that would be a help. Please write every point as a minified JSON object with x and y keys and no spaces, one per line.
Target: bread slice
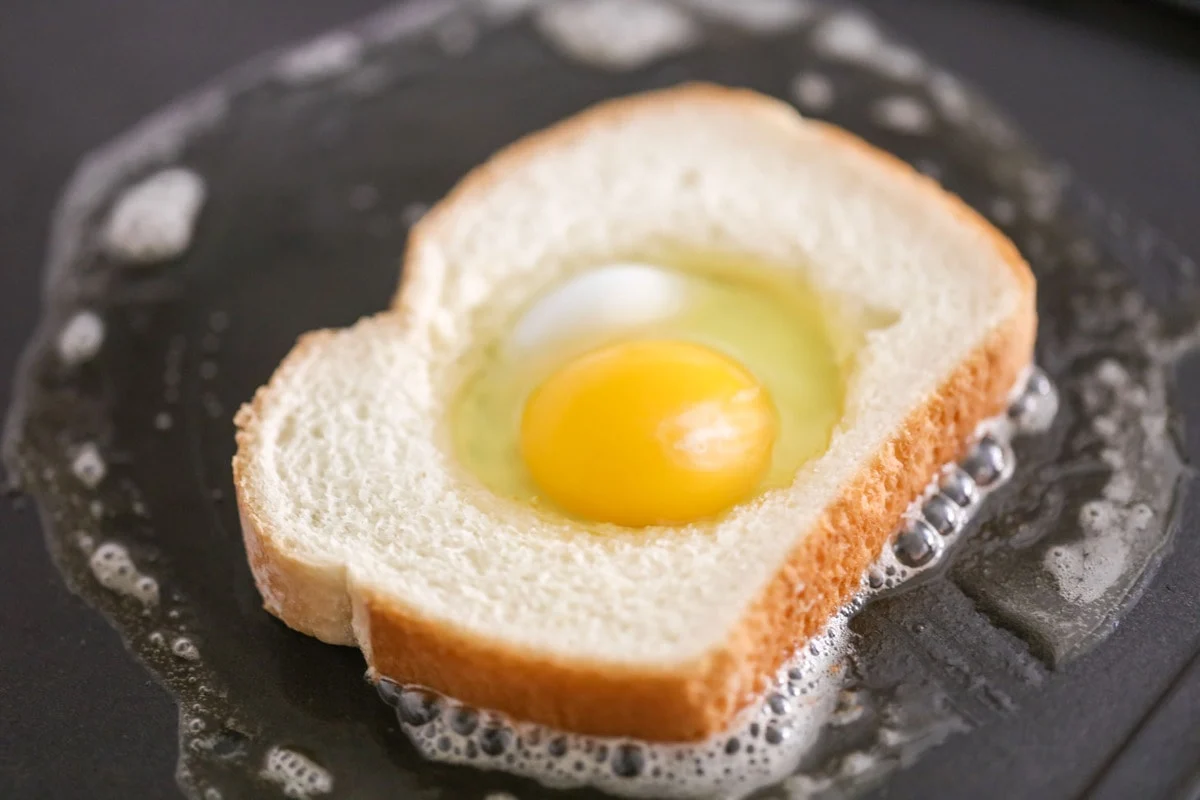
{"x":362,"y":528}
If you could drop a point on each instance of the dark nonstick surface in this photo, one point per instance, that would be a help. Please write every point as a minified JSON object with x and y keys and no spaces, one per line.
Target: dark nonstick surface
{"x":88,"y":723}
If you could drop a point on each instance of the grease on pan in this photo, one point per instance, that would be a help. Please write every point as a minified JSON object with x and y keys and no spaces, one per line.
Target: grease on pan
{"x":154,"y":220}
{"x":973,"y":149}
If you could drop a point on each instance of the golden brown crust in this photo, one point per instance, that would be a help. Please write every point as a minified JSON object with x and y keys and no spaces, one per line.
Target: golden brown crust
{"x":700,"y":698}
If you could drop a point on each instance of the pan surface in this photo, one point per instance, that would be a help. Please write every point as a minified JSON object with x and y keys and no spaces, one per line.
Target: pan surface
{"x":309,"y":167}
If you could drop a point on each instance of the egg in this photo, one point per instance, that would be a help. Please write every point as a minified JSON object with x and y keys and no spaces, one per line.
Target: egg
{"x":648,"y":432}
{"x":657,"y":391}
{"x":612,"y":298}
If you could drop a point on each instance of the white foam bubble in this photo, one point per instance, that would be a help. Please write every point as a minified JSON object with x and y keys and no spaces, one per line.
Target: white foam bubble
{"x":1119,"y":488}
{"x":994,"y":128}
{"x":899,"y":62}
{"x":804,"y":787}
{"x":153,"y":220}
{"x":81,"y":338}
{"x":813,"y":91}
{"x":950,"y":98}
{"x":761,"y":748}
{"x":295,"y":773}
{"x":616,"y":34}
{"x":115,"y":570}
{"x":853,"y":38}
{"x":847,"y":36}
{"x":88,"y":465}
{"x":755,"y":16}
{"x":324,"y":57}
{"x":849,"y":709}
{"x":903,"y":114}
{"x":1035,"y":407}
{"x":898,"y":741}
{"x":1111,"y":373}
{"x":1110,"y":528}
{"x":1085,"y":570}
{"x":1044,"y":188}
{"x":156,"y":140}
{"x":857,"y":763}
{"x":185,"y":648}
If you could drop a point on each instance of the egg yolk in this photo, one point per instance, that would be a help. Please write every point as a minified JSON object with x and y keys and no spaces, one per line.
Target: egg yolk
{"x":648,"y":432}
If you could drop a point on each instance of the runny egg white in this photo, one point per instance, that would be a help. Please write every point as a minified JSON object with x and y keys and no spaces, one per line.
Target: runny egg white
{"x":661,"y":392}
{"x":616,"y":297}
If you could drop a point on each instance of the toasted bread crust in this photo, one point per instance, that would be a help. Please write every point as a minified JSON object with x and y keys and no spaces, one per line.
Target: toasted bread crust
{"x":700,"y":698}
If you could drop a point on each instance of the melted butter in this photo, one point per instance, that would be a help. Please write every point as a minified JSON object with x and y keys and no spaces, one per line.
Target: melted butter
{"x":798,"y":342}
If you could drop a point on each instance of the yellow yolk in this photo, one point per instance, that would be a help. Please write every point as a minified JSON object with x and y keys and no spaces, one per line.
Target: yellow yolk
{"x":648,"y":432}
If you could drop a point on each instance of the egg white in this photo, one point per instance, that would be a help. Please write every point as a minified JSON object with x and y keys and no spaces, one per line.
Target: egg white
{"x":611,"y":298}
{"x":775,"y":328}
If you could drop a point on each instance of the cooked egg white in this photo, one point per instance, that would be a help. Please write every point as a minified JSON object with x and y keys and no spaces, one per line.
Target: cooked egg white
{"x":658,"y":391}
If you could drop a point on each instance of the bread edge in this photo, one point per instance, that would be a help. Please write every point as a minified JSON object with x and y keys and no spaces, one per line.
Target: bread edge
{"x":682,"y":702}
